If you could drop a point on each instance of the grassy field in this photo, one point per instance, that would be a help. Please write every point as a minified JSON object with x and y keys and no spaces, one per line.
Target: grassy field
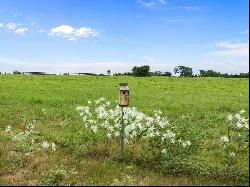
{"x":199,"y":105}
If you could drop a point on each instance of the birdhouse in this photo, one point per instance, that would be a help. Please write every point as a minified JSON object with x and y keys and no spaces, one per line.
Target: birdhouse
{"x":124,"y":94}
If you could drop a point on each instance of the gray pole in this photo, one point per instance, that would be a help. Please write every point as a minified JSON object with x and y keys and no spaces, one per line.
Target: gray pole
{"x":122,"y":135}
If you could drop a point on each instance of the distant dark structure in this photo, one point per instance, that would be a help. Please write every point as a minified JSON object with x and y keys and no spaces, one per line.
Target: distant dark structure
{"x":84,"y":74}
{"x":35,"y":73}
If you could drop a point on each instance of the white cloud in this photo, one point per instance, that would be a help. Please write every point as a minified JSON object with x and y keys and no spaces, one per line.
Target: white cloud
{"x":70,"y":33}
{"x":231,"y":66}
{"x":151,"y":3}
{"x":1,"y":25}
{"x":11,"y":26}
{"x":62,"y":30}
{"x":188,"y":8}
{"x":15,"y":28}
{"x":231,"y":49}
{"x":182,"y":19}
{"x":21,"y":30}
{"x":85,"y":32}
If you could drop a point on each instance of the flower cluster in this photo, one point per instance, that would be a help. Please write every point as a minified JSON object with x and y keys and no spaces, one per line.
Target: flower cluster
{"x":46,"y":146}
{"x":237,"y":137}
{"x":101,"y":116}
{"x":28,"y":138}
{"x":241,"y":121}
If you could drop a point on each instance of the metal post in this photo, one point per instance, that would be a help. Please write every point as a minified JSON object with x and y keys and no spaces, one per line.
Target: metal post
{"x":122,"y":135}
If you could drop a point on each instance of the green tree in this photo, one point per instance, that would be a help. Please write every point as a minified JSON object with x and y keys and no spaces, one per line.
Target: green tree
{"x":143,"y":71}
{"x":184,"y":71}
{"x":108,"y":72}
{"x":16,"y":72}
{"x":167,"y":74}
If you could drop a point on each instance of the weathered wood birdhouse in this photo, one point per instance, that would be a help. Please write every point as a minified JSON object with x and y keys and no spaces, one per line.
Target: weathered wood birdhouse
{"x":124,"y":95}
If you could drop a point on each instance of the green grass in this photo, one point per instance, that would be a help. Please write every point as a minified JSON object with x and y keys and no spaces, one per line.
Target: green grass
{"x":201,"y":105}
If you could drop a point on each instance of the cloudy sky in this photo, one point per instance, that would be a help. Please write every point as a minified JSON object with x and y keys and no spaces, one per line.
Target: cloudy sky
{"x":96,"y":35}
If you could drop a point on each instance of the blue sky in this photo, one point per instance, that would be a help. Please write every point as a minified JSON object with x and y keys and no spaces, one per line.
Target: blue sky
{"x":97,"y":35}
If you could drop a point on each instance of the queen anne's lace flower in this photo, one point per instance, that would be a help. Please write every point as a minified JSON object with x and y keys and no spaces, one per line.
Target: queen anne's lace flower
{"x":45,"y":145}
{"x":8,"y":128}
{"x":102,"y":117}
{"x":224,"y":139}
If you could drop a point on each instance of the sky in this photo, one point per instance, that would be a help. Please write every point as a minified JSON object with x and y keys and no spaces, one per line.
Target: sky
{"x":92,"y":36}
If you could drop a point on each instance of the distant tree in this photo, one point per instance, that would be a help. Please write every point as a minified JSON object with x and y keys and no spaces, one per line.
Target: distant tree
{"x":167,"y":74}
{"x":143,"y":71}
{"x":209,"y":73}
{"x":184,"y":71}
{"x":16,"y":72}
{"x":156,"y":73}
{"x":108,"y":72}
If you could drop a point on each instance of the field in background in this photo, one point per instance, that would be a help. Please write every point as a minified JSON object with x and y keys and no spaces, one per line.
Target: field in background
{"x":200,"y":104}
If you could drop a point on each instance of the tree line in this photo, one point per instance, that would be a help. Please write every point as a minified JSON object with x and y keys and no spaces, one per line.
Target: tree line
{"x":182,"y":71}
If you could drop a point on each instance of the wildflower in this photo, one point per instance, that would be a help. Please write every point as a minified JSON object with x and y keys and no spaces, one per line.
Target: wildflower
{"x":224,"y":139}
{"x":84,"y":118}
{"x":186,"y":143}
{"x":117,"y":133}
{"x":8,"y":128}
{"x":89,"y":102}
{"x":109,"y":135}
{"x":45,"y":145}
{"x":232,"y":154}
{"x":94,"y":128}
{"x":164,"y":151}
{"x":44,"y":111}
{"x":230,"y":117}
{"x":239,"y":125}
{"x":53,"y":146}
{"x":102,"y":99}
{"x":172,"y":140}
{"x":242,"y":111}
{"x":107,"y":103}
{"x":237,"y":116}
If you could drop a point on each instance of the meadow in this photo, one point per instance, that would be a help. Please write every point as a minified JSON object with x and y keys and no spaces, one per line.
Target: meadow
{"x":198,"y":107}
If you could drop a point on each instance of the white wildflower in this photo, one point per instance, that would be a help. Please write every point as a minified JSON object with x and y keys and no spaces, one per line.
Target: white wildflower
{"x":184,"y":144}
{"x":8,"y":128}
{"x":237,"y":116}
{"x":232,"y":154}
{"x":109,"y":135}
{"x":53,"y":146}
{"x":239,"y":125}
{"x":164,"y":151}
{"x":242,"y":111}
{"x":117,"y":133}
{"x":230,"y":117}
{"x":224,"y":139}
{"x":45,"y":145}
{"x":188,"y":143}
{"x":172,"y":140}
{"x":94,"y":128}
